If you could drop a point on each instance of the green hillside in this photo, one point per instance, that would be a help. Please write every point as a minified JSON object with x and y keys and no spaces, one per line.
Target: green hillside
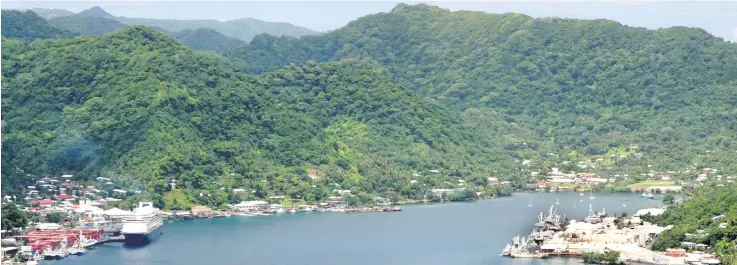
{"x":208,"y":40}
{"x":244,"y":29}
{"x":86,"y":25}
{"x":707,"y":209}
{"x":96,"y":21}
{"x":49,"y":13}
{"x":138,"y":106}
{"x":27,"y":25}
{"x":595,"y":86}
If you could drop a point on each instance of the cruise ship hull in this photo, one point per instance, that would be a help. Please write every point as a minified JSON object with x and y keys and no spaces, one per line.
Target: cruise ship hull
{"x":140,"y":239}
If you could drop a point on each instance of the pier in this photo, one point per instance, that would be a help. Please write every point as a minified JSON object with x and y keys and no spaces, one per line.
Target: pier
{"x":597,"y":233}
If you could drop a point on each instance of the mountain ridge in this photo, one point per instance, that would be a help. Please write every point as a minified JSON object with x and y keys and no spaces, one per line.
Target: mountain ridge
{"x":165,"y":112}
{"x":602,"y":76}
{"x":96,"y":11}
{"x":28,"y":25}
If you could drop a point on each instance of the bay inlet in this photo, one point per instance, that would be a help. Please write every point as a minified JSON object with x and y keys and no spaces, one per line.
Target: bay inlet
{"x":434,"y":234}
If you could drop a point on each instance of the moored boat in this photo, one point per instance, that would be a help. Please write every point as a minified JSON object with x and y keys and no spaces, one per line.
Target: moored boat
{"x":507,"y":250}
{"x":78,"y":251}
{"x":144,"y":226}
{"x":528,"y":255}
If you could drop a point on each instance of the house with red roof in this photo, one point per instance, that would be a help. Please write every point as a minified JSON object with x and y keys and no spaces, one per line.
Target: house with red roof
{"x":45,"y":203}
{"x":64,"y":196}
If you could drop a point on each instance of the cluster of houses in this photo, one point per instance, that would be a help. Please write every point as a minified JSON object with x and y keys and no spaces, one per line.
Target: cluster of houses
{"x":62,"y":194}
{"x":559,"y":177}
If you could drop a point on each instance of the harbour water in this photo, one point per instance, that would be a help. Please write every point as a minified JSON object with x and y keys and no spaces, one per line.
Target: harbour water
{"x":436,"y":234}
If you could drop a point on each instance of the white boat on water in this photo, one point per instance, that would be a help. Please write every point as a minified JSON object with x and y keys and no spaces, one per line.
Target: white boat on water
{"x":507,"y":250}
{"x":89,"y":243}
{"x":77,"y":251}
{"x":144,"y":226}
{"x":59,"y":253}
{"x":528,"y":255}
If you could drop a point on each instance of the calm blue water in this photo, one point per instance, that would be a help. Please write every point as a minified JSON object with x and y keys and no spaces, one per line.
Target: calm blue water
{"x":439,"y":234}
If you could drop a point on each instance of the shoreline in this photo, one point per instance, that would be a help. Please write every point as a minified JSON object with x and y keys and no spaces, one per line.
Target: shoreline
{"x":598,"y":238}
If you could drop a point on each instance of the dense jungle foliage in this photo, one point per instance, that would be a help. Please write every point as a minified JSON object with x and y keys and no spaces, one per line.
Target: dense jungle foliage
{"x":26,"y":25}
{"x":595,"y":86}
{"x":137,"y":105}
{"x":364,"y":107}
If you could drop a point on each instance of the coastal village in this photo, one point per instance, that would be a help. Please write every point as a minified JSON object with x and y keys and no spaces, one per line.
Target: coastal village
{"x":91,"y":217}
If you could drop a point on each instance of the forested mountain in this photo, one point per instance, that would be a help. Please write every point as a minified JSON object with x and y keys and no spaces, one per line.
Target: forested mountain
{"x":208,"y":40}
{"x":595,"y":86}
{"x":96,"y":11}
{"x":49,"y":13}
{"x":137,"y":105}
{"x":86,"y":25}
{"x":27,"y":25}
{"x":96,"y":21}
{"x":244,"y":29}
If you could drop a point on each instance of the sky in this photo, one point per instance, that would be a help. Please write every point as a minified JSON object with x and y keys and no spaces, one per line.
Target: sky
{"x":716,"y":17}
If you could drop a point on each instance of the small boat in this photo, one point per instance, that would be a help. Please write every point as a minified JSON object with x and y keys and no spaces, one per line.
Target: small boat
{"x":292,"y":210}
{"x":624,"y":205}
{"x":78,"y":251}
{"x":50,"y":254}
{"x":396,"y":209}
{"x":592,"y":194}
{"x":89,"y":243}
{"x":530,"y":205}
{"x":281,"y":210}
{"x":507,"y":250}
{"x":529,"y":255}
{"x":557,"y":201}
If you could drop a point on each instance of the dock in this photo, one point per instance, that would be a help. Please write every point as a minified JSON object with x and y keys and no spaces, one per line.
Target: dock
{"x":597,"y":233}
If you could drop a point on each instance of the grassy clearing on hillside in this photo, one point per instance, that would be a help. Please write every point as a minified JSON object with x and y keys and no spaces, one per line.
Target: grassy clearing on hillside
{"x":649,"y":183}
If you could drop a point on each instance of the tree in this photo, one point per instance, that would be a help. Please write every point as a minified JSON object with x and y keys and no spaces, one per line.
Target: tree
{"x":609,"y":258}
{"x":351,"y":200}
{"x":13,"y":217}
{"x":668,"y":198}
{"x":57,"y":217}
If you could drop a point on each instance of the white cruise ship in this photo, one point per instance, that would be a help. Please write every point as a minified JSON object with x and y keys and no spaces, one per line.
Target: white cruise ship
{"x":144,"y":226}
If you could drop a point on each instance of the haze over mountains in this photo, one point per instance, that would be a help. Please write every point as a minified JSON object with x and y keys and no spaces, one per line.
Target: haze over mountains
{"x":416,"y":90}
{"x":244,"y":29}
